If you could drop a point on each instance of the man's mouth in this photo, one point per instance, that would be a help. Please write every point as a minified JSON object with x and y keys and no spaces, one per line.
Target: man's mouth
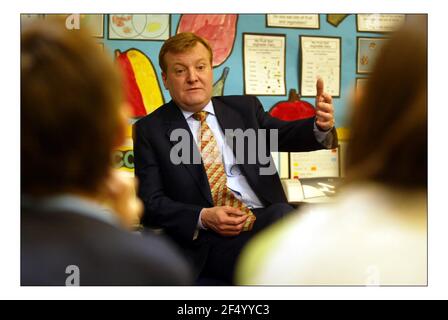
{"x":194,"y":89}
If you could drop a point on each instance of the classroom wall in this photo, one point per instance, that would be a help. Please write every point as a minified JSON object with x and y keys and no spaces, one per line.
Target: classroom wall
{"x":234,"y":85}
{"x":256,"y":23}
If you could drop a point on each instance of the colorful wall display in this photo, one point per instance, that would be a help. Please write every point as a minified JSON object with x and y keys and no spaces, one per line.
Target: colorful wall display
{"x":140,"y":81}
{"x":218,"y":29}
{"x":143,"y":35}
{"x":139,"y":26}
{"x":336,"y":19}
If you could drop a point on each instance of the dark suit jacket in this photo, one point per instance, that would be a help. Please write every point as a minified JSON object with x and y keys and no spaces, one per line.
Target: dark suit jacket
{"x":104,"y":253}
{"x":174,"y":195}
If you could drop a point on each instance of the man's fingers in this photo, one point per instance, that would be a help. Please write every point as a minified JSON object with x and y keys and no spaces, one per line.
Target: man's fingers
{"x":325,"y":107}
{"x":235,"y":220}
{"x":233,"y":210}
{"x":319,"y":86}
{"x":231,"y":228}
{"x":327,"y":98}
{"x":325,"y":116}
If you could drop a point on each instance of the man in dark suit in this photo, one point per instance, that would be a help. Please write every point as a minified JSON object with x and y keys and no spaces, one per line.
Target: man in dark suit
{"x":75,"y":208}
{"x":185,"y":197}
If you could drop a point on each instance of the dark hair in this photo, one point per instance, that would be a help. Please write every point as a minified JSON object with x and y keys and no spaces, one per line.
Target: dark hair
{"x":70,"y":98}
{"x":182,"y":42}
{"x":389,"y":124}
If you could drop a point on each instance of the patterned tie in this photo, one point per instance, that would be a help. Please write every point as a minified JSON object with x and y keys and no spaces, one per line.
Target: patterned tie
{"x":214,"y":168}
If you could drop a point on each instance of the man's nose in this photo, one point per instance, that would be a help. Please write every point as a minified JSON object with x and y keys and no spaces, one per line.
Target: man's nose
{"x":192,"y":75}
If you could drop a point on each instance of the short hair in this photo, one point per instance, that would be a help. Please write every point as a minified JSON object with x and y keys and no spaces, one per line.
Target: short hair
{"x":388,"y":141}
{"x":71,"y":93}
{"x":182,"y":42}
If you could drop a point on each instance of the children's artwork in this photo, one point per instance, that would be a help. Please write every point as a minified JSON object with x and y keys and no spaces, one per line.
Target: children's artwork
{"x":293,"y":108}
{"x":93,"y":22}
{"x":300,"y":21}
{"x":218,"y":86}
{"x":139,"y":26}
{"x":314,"y":164}
{"x":264,"y":64}
{"x":368,"y":49}
{"x":379,"y":22}
{"x":336,"y":19}
{"x":218,"y":29}
{"x":123,"y":156}
{"x":320,"y":57}
{"x":140,"y":80}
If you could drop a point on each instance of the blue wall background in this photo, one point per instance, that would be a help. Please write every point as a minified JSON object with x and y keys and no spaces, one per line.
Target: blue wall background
{"x":256,"y":23}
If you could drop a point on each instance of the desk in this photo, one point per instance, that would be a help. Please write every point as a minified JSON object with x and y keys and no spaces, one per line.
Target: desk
{"x":312,"y":190}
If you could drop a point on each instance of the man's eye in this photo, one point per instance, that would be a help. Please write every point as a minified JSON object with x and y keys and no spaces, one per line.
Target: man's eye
{"x":201,"y":67}
{"x":179,"y":71}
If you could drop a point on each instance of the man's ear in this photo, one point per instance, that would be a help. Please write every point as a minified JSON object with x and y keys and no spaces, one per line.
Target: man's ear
{"x":164,"y":80}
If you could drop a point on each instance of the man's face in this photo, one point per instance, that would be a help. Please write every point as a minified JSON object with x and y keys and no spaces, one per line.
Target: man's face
{"x":189,"y":78}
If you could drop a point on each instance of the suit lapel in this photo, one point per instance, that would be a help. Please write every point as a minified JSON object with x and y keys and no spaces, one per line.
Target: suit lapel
{"x":176,"y":120}
{"x":227,"y":118}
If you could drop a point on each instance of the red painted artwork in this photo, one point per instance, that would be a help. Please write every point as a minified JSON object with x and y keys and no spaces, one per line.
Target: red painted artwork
{"x":218,"y":29}
{"x":293,"y":109}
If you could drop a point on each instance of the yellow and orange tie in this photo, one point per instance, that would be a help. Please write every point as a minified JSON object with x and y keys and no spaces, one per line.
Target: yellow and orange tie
{"x":214,"y":168}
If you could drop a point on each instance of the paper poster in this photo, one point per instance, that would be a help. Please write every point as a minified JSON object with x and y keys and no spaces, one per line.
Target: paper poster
{"x":321,"y":57}
{"x":314,"y":164}
{"x":379,"y":22}
{"x":264,"y":64}
{"x":281,"y":161}
{"x":139,"y":26}
{"x":368,"y":49}
{"x":302,"y":21}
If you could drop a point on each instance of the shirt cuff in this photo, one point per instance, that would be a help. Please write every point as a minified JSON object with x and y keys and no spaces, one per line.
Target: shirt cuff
{"x":325,"y":138}
{"x":199,"y":226}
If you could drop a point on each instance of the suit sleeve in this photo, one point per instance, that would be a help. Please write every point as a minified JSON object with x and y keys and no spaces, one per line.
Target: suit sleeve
{"x":177,"y":219}
{"x":293,"y":136}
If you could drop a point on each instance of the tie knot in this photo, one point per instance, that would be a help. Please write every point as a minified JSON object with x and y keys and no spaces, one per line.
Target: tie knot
{"x":200,"y":116}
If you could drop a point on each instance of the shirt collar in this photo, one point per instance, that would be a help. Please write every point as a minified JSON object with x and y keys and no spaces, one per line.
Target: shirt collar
{"x":208,"y":107}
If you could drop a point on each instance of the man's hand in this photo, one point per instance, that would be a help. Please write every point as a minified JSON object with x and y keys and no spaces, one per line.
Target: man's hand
{"x":324,"y":108}
{"x":226,"y":221}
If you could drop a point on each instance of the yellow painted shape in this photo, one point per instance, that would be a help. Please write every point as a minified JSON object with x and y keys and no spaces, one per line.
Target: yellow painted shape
{"x":146,"y":78}
{"x":343,"y":133}
{"x":153,"y":26}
